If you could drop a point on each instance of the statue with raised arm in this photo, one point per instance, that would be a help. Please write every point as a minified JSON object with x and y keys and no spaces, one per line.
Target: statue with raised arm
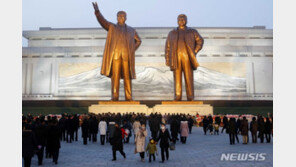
{"x":119,"y":53}
{"x":182,"y":44}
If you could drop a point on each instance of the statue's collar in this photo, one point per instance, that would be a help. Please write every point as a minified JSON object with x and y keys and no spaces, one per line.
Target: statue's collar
{"x":121,"y":25}
{"x":185,"y":28}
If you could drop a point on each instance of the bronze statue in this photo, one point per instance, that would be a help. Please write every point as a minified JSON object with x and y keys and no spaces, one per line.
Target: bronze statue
{"x":182,"y":44}
{"x":119,"y":54}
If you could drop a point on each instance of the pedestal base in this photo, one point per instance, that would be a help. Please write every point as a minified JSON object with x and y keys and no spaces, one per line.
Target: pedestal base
{"x":183,"y":107}
{"x":118,"y":107}
{"x":119,"y":102}
{"x":182,"y":102}
{"x":167,"y":107}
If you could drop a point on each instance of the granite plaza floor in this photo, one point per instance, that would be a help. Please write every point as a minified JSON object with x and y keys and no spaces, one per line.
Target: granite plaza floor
{"x":200,"y":150}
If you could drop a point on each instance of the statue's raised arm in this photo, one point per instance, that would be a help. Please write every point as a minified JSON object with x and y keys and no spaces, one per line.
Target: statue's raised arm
{"x":104,"y":23}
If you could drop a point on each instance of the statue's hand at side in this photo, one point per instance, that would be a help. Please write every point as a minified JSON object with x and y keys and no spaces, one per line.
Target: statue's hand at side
{"x":196,"y":51}
{"x":167,"y":63}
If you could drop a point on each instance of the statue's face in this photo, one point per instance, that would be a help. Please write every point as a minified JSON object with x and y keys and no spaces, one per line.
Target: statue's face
{"x":121,"y":18}
{"x":182,"y":21}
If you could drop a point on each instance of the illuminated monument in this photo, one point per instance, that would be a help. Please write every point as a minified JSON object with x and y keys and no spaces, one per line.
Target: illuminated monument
{"x":64,"y":64}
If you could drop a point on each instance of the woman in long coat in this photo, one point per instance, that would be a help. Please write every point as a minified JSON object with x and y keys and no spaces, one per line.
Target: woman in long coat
{"x":184,"y":131}
{"x":164,"y":137}
{"x":140,"y":141}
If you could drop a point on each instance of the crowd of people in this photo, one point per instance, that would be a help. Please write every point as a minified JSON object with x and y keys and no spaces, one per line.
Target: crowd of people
{"x":39,"y":134}
{"x":260,"y":127}
{"x":44,"y":133}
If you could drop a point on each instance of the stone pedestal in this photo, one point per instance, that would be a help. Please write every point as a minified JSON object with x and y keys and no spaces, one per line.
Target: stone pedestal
{"x":118,"y":107}
{"x":167,"y":107}
{"x":119,"y":102}
{"x":183,"y":107}
{"x":183,"y":102}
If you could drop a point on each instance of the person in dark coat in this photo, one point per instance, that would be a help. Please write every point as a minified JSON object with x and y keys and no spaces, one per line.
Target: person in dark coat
{"x":84,"y":130}
{"x":210,"y":126}
{"x":30,"y":125}
{"x":205,"y":123}
{"x":225,"y":123}
{"x":271,"y":122}
{"x":70,"y":129}
{"x":254,"y":129}
{"x":53,"y":140}
{"x":116,"y":142}
{"x":190,"y":124}
{"x":267,"y":130}
{"x":40,"y":133}
{"x":107,"y":132}
{"x":62,"y":125}
{"x":29,"y":145}
{"x":217,"y":124}
{"x":244,"y":130}
{"x":164,"y":137}
{"x":261,"y":129}
{"x":30,"y":117}
{"x":90,"y":127}
{"x":111,"y":129}
{"x":174,"y":129}
{"x":238,"y":125}
{"x":76,"y":126}
{"x":232,"y":130}
{"x":218,"y":120}
{"x":93,"y":128}
{"x":154,"y":128}
{"x":237,"y":128}
{"x":48,"y":121}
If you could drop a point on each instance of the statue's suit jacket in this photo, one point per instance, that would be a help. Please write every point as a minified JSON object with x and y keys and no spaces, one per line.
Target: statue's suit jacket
{"x":133,"y":41}
{"x":193,"y":41}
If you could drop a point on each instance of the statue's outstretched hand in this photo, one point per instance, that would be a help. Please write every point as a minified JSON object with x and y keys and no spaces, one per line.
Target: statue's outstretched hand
{"x":104,"y":23}
{"x":95,"y":5}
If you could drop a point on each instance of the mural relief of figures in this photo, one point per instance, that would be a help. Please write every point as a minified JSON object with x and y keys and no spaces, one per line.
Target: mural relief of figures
{"x":211,"y":79}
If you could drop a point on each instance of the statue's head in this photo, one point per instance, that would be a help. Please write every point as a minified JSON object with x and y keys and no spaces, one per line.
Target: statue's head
{"x":182,"y":20}
{"x":121,"y":17}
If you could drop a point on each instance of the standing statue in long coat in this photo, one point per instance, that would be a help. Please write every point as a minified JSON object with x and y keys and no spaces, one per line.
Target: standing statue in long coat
{"x":119,"y":54}
{"x":182,"y":44}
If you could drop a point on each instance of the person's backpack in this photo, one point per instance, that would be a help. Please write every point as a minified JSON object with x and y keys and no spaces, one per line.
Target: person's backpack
{"x":172,"y":146}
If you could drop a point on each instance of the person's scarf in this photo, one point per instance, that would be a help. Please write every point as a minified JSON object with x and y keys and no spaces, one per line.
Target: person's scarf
{"x":142,"y":132}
